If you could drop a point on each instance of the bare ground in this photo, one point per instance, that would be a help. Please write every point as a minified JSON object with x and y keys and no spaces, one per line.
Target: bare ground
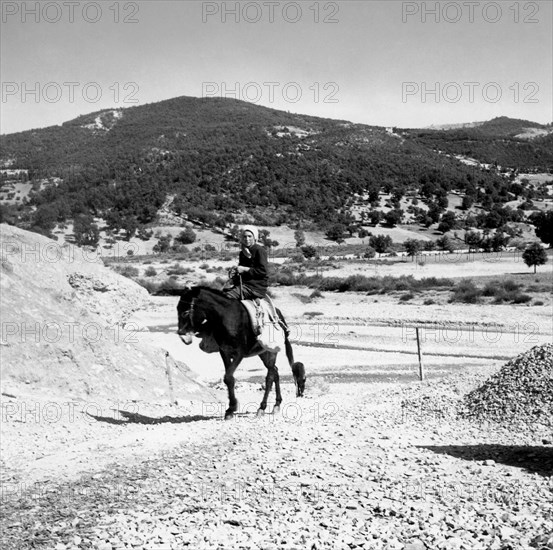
{"x":370,"y":458}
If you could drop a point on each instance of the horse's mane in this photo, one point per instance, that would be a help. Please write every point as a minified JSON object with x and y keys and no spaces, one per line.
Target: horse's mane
{"x":215,"y":291}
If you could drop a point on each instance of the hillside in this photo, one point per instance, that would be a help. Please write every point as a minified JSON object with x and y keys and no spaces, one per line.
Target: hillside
{"x":219,"y":162}
{"x":511,"y":143}
{"x":220,"y":158}
{"x":64,"y":331}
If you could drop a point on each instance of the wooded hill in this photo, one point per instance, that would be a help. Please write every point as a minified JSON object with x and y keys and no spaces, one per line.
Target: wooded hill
{"x":223,"y":158}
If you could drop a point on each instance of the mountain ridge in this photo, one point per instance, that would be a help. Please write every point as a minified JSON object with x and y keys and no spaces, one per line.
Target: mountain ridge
{"x":226,"y":159}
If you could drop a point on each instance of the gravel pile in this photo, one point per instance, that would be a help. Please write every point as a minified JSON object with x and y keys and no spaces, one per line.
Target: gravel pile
{"x":520,"y":393}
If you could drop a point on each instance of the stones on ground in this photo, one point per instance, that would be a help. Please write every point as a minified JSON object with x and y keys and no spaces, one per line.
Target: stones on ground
{"x":521,"y":392}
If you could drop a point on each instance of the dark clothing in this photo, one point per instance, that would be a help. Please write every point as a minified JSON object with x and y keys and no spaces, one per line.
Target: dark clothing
{"x":247,"y":293}
{"x":255,"y":281}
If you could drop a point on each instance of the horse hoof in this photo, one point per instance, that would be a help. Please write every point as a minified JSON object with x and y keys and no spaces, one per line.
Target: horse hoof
{"x":276,"y":409}
{"x":259,"y":413}
{"x":229,"y":415}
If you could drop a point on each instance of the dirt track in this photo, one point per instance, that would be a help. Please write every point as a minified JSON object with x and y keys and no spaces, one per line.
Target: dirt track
{"x":371,"y":458}
{"x":353,"y":465}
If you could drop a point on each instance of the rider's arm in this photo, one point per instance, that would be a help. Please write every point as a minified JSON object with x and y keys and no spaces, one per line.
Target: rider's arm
{"x":258,"y":269}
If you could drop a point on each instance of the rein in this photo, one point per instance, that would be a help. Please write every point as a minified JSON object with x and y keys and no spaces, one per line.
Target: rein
{"x":190,"y":313}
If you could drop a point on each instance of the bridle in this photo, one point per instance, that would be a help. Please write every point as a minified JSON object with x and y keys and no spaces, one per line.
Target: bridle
{"x":190,"y":314}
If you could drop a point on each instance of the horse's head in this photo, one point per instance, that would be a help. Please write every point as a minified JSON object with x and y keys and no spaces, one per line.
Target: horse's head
{"x":191,"y":318}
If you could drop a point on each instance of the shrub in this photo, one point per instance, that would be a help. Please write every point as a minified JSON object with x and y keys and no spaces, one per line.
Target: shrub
{"x":178,"y":270}
{"x":370,"y":252}
{"x":151,"y":286}
{"x":505,"y":291}
{"x":309,"y":251}
{"x":127,"y":271}
{"x":467,"y":292}
{"x":186,"y":237}
{"x":509,"y":285}
{"x":406,"y":297}
{"x":312,"y":314}
{"x":538,"y":303}
{"x":429,"y":302}
{"x":316,"y":294}
{"x":522,"y":299}
{"x":150,"y":272}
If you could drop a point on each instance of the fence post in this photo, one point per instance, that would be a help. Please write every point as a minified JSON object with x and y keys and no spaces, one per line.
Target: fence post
{"x":170,"y":379}
{"x":419,"y":351}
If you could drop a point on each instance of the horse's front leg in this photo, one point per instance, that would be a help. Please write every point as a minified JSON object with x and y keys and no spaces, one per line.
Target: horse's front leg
{"x":231,"y":364}
{"x":272,"y":375}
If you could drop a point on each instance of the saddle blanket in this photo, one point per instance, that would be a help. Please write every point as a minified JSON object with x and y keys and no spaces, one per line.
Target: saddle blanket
{"x":265,"y":323}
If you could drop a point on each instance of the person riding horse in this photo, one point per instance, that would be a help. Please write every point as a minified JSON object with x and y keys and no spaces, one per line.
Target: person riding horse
{"x":250,"y":279}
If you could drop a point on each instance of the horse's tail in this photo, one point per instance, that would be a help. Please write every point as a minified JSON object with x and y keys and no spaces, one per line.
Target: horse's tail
{"x":298,"y":369}
{"x":287,"y":344}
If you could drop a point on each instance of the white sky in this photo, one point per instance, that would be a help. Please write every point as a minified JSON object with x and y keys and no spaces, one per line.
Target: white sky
{"x":373,"y":62}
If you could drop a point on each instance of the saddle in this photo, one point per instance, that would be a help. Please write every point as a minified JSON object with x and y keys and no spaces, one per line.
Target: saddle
{"x":260,"y":311}
{"x":265,"y":323}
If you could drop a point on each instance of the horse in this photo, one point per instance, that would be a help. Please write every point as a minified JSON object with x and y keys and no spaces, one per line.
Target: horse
{"x":210,"y":314}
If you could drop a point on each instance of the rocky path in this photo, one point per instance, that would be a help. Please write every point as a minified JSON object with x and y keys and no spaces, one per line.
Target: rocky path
{"x":351,"y":466}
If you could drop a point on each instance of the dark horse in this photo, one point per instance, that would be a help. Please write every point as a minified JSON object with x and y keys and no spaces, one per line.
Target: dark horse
{"x":209,"y":313}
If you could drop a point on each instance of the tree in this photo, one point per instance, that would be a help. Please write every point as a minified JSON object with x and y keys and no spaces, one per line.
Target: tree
{"x":45,"y":217}
{"x":234,"y":233}
{"x":543,"y":221}
{"x":375,"y":216}
{"x":309,"y":251}
{"x":473,"y":239}
{"x":499,"y":241}
{"x":412,"y":247}
{"x":163,"y":244}
{"x":444,"y":243}
{"x":265,"y":238}
{"x":370,"y":252}
{"x":188,"y":236}
{"x":380,"y":243}
{"x":299,"y":237}
{"x":434,"y":212}
{"x":468,"y":201}
{"x":447,"y":222}
{"x":393,"y":217}
{"x":129,"y":225}
{"x":336,"y":232}
{"x":534,"y":255}
{"x":86,"y":232}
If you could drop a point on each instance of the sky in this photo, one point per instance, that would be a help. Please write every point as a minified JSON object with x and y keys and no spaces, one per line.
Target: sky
{"x":378,"y":62}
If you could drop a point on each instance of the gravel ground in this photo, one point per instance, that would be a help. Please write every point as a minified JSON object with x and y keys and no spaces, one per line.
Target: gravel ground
{"x":358,"y":465}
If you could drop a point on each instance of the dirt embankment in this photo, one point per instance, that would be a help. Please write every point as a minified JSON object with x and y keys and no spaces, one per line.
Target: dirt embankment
{"x":64,"y":327}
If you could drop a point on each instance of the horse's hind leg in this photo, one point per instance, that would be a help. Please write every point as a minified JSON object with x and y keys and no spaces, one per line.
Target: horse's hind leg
{"x":272,"y":376}
{"x":276,"y":408}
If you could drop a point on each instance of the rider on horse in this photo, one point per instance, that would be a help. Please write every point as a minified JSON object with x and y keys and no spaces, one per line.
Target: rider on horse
{"x":250,"y":279}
